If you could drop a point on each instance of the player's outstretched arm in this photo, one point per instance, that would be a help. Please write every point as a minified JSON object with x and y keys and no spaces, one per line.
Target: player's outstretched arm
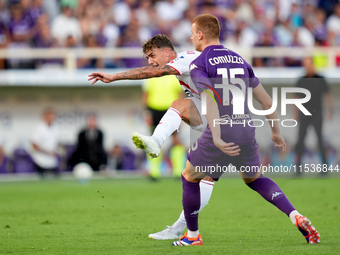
{"x":212,"y":115}
{"x":266,"y":103}
{"x":133,"y":74}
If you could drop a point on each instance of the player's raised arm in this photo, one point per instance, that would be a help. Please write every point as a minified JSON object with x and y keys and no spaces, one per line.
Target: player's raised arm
{"x":139,"y":73}
{"x":158,"y":51}
{"x":266,"y":103}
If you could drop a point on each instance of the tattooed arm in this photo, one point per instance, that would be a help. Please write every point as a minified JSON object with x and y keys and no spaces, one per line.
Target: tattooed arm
{"x":133,"y":74}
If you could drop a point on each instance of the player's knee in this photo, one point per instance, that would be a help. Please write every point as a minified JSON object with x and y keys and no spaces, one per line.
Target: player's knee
{"x":192,"y":176}
{"x":248,"y":179}
{"x":178,"y":105}
{"x":208,"y":178}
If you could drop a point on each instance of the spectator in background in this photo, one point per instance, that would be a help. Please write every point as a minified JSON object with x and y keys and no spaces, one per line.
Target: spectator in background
{"x":320,"y":58}
{"x":320,"y":28}
{"x":147,"y":15}
{"x":4,"y":161}
{"x":305,"y":34}
{"x":121,"y":158}
{"x":181,"y":33}
{"x":247,"y":37}
{"x":244,"y":10}
{"x":34,"y":10}
{"x":90,"y":41}
{"x":284,"y":33}
{"x":45,"y":141}
{"x":131,"y":38}
{"x":71,"y":42}
{"x":90,"y":21}
{"x":90,"y":147}
{"x":333,"y":22}
{"x":52,"y":8}
{"x":168,"y":11}
{"x":21,"y":32}
{"x":44,"y":39}
{"x":266,"y":40}
{"x":65,"y":27}
{"x":114,"y":21}
{"x":319,"y":89}
{"x":122,"y":13}
{"x":4,"y":12}
{"x":105,"y":10}
{"x":295,"y":15}
{"x":294,"y":60}
{"x":4,"y":40}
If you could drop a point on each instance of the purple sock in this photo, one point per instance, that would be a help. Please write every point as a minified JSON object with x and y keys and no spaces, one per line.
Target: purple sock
{"x":191,"y":203}
{"x":271,"y":192}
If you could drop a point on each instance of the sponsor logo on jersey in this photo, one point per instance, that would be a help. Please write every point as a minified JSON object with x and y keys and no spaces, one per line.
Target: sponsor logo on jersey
{"x":226,"y":117}
{"x":190,"y":52}
{"x":195,"y":212}
{"x":173,"y":61}
{"x":192,"y":67}
{"x":178,"y":58}
{"x":275,"y":194}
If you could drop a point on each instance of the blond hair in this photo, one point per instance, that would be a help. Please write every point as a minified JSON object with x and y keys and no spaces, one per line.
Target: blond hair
{"x":208,"y":25}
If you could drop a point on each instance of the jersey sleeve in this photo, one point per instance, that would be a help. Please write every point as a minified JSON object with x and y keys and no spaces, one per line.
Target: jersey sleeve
{"x":253,"y":80}
{"x":182,"y":62}
{"x":200,"y":77}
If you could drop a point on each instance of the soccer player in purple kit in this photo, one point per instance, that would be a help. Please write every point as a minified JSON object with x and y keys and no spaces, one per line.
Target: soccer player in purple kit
{"x":231,"y":143}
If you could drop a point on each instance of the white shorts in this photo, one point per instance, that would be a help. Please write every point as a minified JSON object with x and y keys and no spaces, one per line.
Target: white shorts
{"x":203,"y":125}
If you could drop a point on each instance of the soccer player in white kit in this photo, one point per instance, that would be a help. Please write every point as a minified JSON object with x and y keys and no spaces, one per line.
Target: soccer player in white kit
{"x":164,"y":60}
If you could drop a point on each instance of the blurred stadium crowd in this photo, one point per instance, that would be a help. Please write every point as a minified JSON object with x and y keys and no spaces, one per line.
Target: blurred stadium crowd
{"x":127,"y":23}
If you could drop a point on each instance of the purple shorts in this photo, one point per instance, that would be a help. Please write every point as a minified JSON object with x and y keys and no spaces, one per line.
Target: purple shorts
{"x":207,"y":158}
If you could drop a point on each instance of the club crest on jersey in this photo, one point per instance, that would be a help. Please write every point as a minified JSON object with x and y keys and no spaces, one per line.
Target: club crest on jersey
{"x":173,"y":61}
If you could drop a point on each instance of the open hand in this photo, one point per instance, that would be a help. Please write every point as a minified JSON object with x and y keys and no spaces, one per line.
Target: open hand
{"x":104,"y":77}
{"x":279,"y":141}
{"x":228,"y":148}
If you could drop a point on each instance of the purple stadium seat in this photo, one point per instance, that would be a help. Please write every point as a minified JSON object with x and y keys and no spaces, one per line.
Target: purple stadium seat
{"x":69,"y":150}
{"x":129,"y":158}
{"x":22,"y":161}
{"x":4,"y":166}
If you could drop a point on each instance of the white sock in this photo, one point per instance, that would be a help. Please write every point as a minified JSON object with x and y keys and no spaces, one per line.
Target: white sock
{"x":180,"y":224}
{"x":206,"y":188}
{"x":292,"y":216}
{"x":193,"y":234}
{"x":169,"y":123}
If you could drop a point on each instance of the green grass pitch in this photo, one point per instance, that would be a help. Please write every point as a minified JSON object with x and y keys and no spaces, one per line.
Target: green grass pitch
{"x":115,"y":216}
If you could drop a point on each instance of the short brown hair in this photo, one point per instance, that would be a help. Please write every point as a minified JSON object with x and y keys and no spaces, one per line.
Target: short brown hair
{"x":157,"y":41}
{"x":209,"y":25}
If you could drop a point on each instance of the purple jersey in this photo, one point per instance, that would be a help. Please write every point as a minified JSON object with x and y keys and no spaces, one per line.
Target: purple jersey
{"x":229,"y":76}
{"x":20,"y":27}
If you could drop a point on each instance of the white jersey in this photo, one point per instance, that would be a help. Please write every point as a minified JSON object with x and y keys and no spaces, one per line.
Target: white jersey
{"x":181,"y":64}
